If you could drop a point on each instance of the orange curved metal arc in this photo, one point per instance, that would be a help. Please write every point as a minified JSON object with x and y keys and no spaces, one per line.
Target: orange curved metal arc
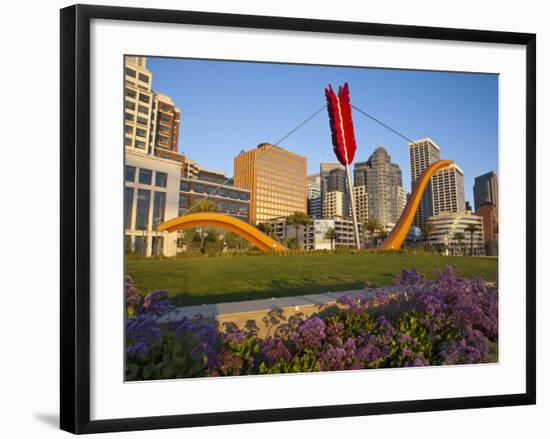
{"x":399,"y":232}
{"x":210,"y":219}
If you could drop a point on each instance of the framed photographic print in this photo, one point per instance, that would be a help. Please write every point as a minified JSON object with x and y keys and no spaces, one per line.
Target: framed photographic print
{"x":286,"y":218}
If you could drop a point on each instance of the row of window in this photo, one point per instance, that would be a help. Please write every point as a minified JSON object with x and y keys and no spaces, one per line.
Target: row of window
{"x":143,"y":204}
{"x":145,"y":176}
{"x":131,"y":72}
{"x":222,"y":206}
{"x":200,"y":188}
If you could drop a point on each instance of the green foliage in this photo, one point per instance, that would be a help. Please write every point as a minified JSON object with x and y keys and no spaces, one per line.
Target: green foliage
{"x":169,"y":359}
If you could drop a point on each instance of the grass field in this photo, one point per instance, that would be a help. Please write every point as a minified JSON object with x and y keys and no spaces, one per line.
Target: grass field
{"x":194,"y":281}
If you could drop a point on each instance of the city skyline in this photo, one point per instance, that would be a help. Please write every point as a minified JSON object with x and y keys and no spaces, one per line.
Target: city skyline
{"x":457,"y":110}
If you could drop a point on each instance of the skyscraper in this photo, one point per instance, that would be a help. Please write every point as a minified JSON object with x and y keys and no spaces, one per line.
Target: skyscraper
{"x":138,"y":104}
{"x":361,"y":203}
{"x":384,"y":186}
{"x":165,"y":123}
{"x":486,"y":190}
{"x":333,"y":179}
{"x":151,"y":120}
{"x":277,"y":179}
{"x":314,"y":200}
{"x":422,"y":153}
{"x":448,"y":190}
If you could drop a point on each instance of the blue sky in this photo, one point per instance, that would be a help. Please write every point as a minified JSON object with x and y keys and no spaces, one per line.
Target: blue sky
{"x":229,"y":106}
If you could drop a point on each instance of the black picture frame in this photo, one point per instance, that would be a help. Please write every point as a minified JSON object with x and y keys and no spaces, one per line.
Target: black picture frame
{"x":75,"y":217}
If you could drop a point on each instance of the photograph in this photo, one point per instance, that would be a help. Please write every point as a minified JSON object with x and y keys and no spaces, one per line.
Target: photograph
{"x":295,"y":218}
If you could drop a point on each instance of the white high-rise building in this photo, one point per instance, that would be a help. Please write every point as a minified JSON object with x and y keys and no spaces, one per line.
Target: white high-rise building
{"x":422,"y":153}
{"x":334,"y":205}
{"x":138,"y":105}
{"x":448,"y":190}
{"x":361,"y":203}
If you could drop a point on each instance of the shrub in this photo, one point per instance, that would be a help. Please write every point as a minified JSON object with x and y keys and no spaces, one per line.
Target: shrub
{"x":415,"y":322}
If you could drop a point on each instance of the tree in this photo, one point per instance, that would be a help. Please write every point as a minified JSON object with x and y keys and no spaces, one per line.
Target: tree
{"x":204,"y":205}
{"x":265,"y":228}
{"x":332,"y":235}
{"x":372,"y":226}
{"x":459,"y":236}
{"x":471,"y":229}
{"x":427,"y":230}
{"x":298,"y":219}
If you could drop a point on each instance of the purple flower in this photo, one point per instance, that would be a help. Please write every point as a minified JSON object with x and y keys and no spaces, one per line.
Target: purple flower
{"x":204,"y":337}
{"x":138,"y":351}
{"x":156,"y":303}
{"x":275,"y":350}
{"x":311,"y":333}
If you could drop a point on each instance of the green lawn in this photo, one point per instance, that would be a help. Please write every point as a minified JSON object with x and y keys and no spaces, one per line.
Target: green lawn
{"x":193,"y":281}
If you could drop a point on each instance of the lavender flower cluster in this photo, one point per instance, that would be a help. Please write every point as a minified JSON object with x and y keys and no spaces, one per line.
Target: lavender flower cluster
{"x":415,"y":322}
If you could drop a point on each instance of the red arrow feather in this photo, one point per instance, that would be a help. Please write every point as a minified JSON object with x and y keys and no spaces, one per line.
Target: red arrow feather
{"x":341,"y":123}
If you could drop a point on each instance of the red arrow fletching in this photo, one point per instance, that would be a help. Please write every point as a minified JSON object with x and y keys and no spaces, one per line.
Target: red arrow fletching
{"x":341,"y":123}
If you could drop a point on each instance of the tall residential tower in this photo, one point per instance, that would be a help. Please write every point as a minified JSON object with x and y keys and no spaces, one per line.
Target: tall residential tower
{"x":422,"y":153}
{"x":384,"y":185}
{"x":485,"y":190}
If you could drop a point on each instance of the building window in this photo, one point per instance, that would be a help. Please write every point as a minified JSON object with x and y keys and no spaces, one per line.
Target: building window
{"x":140,"y":144}
{"x":128,"y":129}
{"x":143,"y":78}
{"x":128,"y":116}
{"x":243,"y":196}
{"x":158,"y":209}
{"x":184,"y":186}
{"x":163,"y":139}
{"x":145,"y":176}
{"x":165,"y":119}
{"x":184,"y":201}
{"x":234,"y":195}
{"x":223,"y":192}
{"x":129,"y":173}
{"x":141,"y":132}
{"x":222,"y":205}
{"x":142,"y":121}
{"x":143,"y":98}
{"x":161,"y":178}
{"x":142,"y":212}
{"x":143,"y":109}
{"x":198,"y":188}
{"x":128,"y":202}
{"x":128,"y":141}
{"x":130,"y":93}
{"x":157,"y":243}
{"x":130,"y":72}
{"x":140,"y":245}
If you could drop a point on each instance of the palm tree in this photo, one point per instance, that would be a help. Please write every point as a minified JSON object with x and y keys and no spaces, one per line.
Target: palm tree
{"x":204,"y":205}
{"x":298,"y":219}
{"x":332,"y":235}
{"x":459,"y":236}
{"x":372,"y":226}
{"x":427,"y":229}
{"x":471,"y":229}
{"x":265,"y":228}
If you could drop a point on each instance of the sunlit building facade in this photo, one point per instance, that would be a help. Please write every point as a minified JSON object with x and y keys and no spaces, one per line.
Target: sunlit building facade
{"x":422,"y":153}
{"x":448,"y":224}
{"x":138,"y":104}
{"x":448,"y":190}
{"x":277,"y":179}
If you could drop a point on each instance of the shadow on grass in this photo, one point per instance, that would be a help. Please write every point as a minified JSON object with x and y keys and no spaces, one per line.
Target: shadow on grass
{"x":279,"y":288}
